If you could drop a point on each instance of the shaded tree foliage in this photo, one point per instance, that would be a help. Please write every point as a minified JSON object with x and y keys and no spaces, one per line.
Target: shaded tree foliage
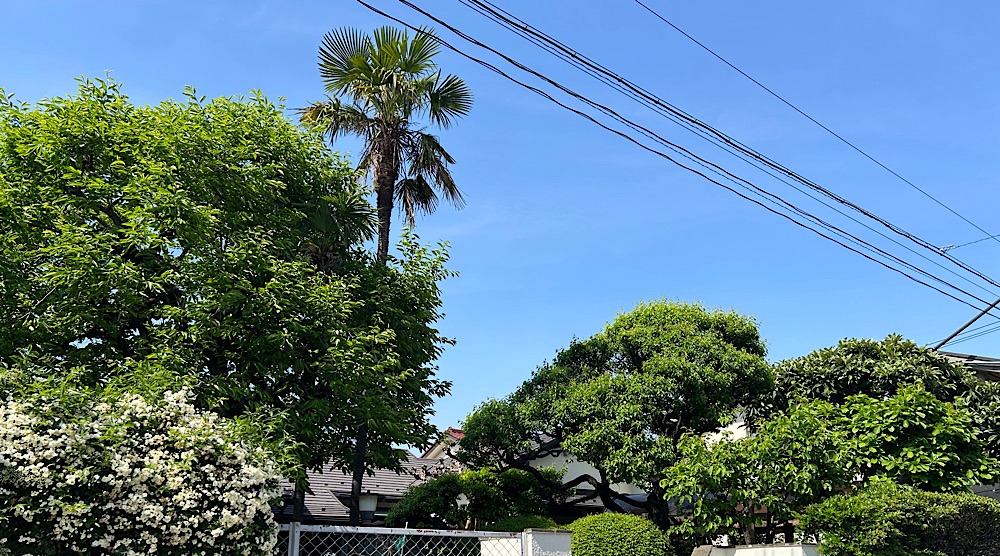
{"x":622,"y":399}
{"x":476,"y":499}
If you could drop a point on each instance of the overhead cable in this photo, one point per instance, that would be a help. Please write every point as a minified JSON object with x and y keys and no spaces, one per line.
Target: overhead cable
{"x":995,"y":237}
{"x":678,"y":149}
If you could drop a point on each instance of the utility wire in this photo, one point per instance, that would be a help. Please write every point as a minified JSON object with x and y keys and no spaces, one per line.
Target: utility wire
{"x":536,"y":37}
{"x":648,"y":148}
{"x":966,"y":333}
{"x":995,"y":237}
{"x":510,"y":21}
{"x":995,"y":326}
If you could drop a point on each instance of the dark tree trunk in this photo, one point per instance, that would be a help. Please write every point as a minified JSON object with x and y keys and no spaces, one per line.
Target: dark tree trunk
{"x":298,"y":504}
{"x":383,"y":202}
{"x":360,"y":450}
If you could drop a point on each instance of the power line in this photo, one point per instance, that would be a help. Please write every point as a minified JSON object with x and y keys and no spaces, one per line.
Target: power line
{"x":995,"y":237}
{"x":692,"y":124}
{"x":660,"y":153}
{"x":965,"y":333}
{"x":663,"y":107}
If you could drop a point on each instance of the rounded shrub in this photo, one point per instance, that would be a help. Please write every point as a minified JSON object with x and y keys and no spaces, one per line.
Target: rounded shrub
{"x":613,"y":534}
{"x":886,"y":519}
{"x":518,"y":523}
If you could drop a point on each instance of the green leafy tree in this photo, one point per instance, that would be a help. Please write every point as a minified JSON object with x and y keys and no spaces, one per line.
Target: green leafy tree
{"x":755,"y":485}
{"x":219,"y":242}
{"x":879,"y":369}
{"x":622,"y":399}
{"x":816,"y":449}
{"x":381,"y":87}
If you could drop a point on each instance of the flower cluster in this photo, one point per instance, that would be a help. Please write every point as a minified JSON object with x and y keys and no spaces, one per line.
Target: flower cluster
{"x":130,"y":477}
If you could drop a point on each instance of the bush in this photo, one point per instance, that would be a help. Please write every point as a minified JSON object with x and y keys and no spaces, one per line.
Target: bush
{"x":519,"y":523}
{"x":886,"y":519}
{"x":122,"y":476}
{"x":612,"y":534}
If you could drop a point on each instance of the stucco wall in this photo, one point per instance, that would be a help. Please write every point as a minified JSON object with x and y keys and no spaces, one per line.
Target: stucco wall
{"x":546,"y":542}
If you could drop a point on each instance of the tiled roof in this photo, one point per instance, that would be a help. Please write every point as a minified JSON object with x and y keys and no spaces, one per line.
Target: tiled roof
{"x":986,"y":368}
{"x":332,"y":489}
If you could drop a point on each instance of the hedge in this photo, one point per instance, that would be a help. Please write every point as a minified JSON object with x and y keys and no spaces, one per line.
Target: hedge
{"x":886,"y":519}
{"x":613,"y":534}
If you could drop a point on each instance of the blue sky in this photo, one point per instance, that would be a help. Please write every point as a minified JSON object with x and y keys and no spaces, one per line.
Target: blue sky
{"x":567,"y":225}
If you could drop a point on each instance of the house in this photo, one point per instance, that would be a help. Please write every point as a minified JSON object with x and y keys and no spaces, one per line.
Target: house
{"x":328,"y":504}
{"x":548,"y":454}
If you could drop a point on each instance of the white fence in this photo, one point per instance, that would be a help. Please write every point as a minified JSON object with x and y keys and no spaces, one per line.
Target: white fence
{"x":328,"y":540}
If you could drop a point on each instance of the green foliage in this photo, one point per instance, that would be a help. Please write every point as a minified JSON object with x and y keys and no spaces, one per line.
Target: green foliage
{"x":816,"y":449}
{"x":612,"y":534}
{"x":917,"y":440}
{"x":487,"y":496}
{"x":621,"y":399}
{"x":873,"y":368}
{"x":879,"y":369}
{"x":519,"y":523}
{"x":218,"y":243}
{"x":750,"y":485}
{"x":885,"y":519}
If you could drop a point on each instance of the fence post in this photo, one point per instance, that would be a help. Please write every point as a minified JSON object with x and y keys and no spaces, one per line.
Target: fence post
{"x":293,"y":538}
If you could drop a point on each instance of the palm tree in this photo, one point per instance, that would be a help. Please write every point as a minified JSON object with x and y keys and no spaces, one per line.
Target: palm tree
{"x":380,"y":87}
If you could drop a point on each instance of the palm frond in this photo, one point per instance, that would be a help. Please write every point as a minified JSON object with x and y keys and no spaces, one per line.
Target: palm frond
{"x":342,"y":54}
{"x":418,"y":57}
{"x":338,"y":118}
{"x":415,"y":194}
{"x":428,"y":159}
{"x":449,"y":98}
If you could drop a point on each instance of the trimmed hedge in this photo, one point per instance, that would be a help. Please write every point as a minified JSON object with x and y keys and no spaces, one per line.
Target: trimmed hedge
{"x":886,"y":519}
{"x":612,"y":534}
{"x":519,"y":523}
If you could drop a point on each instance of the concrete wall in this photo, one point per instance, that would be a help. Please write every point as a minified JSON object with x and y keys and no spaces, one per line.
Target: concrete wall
{"x":547,"y":542}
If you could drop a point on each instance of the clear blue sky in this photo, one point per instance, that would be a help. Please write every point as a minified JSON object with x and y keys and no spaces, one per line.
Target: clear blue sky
{"x":567,"y":225}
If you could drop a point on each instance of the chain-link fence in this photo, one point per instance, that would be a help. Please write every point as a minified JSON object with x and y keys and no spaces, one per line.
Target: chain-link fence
{"x":327,"y":540}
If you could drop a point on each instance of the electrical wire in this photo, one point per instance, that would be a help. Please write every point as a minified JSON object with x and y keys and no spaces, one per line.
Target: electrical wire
{"x":585,"y":64}
{"x":995,"y":237}
{"x":648,"y":148}
{"x":517,"y":25}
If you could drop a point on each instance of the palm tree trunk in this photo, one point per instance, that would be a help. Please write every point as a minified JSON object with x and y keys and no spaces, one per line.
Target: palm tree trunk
{"x":385,"y":173}
{"x":385,"y":181}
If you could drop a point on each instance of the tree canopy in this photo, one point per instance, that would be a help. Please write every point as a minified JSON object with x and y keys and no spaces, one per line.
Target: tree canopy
{"x":622,"y":399}
{"x":218,"y":245}
{"x":815,"y":450}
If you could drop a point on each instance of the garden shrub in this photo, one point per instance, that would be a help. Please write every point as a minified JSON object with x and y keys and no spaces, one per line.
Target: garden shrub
{"x":82,"y":474}
{"x":519,"y":523}
{"x":613,"y":534}
{"x":886,"y":519}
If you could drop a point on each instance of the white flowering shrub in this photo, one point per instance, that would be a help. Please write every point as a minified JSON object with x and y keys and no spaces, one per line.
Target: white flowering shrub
{"x":130,"y":477}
